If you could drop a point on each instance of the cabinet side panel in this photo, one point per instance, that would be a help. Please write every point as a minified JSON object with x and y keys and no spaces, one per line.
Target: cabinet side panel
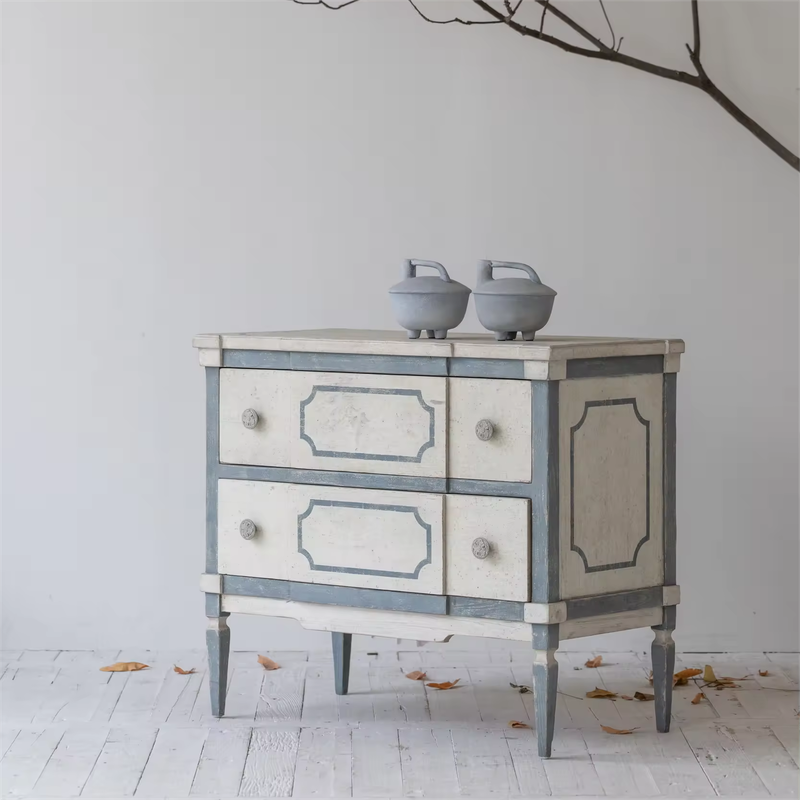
{"x":611,"y":506}
{"x":212,"y":462}
{"x":670,"y":439}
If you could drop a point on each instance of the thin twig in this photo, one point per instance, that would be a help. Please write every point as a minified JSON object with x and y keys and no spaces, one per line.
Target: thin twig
{"x":610,"y":27}
{"x":457,"y":20}
{"x":545,"y":6}
{"x":572,"y":696}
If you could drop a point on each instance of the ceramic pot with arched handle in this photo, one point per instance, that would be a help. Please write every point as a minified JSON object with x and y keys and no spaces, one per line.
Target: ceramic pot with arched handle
{"x":508,"y":305}
{"x":427,"y":302}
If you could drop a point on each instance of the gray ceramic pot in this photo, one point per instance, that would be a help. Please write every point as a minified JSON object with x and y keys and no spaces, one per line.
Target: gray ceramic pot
{"x":428,"y":303}
{"x":508,"y":305}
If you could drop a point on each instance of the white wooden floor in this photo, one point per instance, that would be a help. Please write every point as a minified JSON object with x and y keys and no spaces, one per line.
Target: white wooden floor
{"x":69,"y":730}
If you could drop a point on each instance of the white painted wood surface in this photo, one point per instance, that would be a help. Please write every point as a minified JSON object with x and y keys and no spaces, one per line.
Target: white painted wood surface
{"x":610,"y":623}
{"x":388,"y":424}
{"x":457,"y":344}
{"x":395,"y":737}
{"x":505,"y":523}
{"x":604,"y":506}
{"x":342,"y":530}
{"x":507,"y":405}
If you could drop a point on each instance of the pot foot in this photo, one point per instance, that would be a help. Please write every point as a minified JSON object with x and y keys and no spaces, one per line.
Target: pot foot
{"x":430,"y":334}
{"x":528,"y":336}
{"x":500,"y":336}
{"x":511,"y":336}
{"x":440,"y":334}
{"x":414,"y":334}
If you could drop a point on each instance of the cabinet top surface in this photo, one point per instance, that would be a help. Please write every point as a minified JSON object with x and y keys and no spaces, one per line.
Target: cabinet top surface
{"x":459,"y":345}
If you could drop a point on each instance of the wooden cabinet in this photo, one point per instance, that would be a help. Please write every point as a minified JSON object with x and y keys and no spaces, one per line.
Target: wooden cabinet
{"x":359,"y":482}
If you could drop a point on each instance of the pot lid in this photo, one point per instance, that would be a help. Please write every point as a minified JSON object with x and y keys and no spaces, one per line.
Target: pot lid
{"x":531,"y":286}
{"x":427,"y":284}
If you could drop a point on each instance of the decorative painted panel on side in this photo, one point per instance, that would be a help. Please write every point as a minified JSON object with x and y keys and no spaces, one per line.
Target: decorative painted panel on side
{"x":500,"y":451}
{"x":504,"y":523}
{"x":610,"y":440}
{"x":390,"y":424}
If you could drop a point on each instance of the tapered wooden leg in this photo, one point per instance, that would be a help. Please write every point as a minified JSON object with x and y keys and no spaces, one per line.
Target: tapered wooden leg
{"x":218,"y":641}
{"x":663,"y":655}
{"x":545,"y":685}
{"x":341,"y":660}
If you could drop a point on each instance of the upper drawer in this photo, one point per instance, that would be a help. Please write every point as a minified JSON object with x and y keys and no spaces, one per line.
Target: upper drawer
{"x":391,"y":424}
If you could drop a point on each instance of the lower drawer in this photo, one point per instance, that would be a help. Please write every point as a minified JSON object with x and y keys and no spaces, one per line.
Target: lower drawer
{"x":405,"y":541}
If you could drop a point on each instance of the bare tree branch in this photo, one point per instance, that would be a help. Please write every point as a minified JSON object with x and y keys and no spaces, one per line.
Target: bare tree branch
{"x":603,"y":52}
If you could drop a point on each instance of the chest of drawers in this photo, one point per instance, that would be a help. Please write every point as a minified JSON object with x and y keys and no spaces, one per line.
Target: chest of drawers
{"x":362,"y":483}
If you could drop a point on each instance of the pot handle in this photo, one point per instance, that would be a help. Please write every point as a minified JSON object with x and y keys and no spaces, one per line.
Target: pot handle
{"x":410,"y":268}
{"x":511,"y":265}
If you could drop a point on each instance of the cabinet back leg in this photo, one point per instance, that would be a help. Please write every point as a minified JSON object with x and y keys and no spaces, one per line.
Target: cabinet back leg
{"x":545,"y":685}
{"x":341,"y":660}
{"x":218,"y":641}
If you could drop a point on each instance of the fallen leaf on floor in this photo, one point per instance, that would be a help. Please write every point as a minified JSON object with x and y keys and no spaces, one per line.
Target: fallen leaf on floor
{"x":416,"y":675}
{"x":725,"y":683}
{"x":763,"y":673}
{"x":124,"y":666}
{"x":180,"y":671}
{"x":521,"y":688}
{"x":594,"y":662}
{"x":609,"y":729}
{"x":697,"y":698}
{"x":642,"y":696}
{"x":445,"y":685}
{"x":708,"y":674}
{"x":600,"y":693}
{"x":650,"y":678}
{"x":515,"y":724}
{"x":685,"y":674}
{"x":268,"y":663}
{"x":729,"y":679}
{"x":626,"y":697}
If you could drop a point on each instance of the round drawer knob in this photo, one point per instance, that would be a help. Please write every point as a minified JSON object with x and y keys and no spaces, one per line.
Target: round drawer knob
{"x":484,"y":430}
{"x":249,"y":418}
{"x":247,"y":528}
{"x":481,"y":548}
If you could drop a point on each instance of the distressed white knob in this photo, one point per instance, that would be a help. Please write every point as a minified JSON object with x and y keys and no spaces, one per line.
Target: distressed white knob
{"x":249,"y":418}
{"x":247,"y":528}
{"x":481,"y":548}
{"x":484,"y":430}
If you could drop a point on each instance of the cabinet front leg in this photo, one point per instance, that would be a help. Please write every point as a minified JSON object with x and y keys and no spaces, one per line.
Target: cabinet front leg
{"x":545,"y":685}
{"x":663,"y":656}
{"x":341,"y":660}
{"x":218,"y":641}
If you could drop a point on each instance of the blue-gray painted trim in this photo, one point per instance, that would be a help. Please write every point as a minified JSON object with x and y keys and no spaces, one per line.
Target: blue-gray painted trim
{"x":213,"y":605}
{"x":614,"y":367}
{"x":341,"y":645}
{"x":369,"y":364}
{"x":544,"y":493}
{"x":256,"y":359}
{"x":544,"y":637}
{"x":589,"y":404}
{"x":359,"y":480}
{"x":615,"y":603}
{"x":368,"y":456}
{"x":670,"y":399}
{"x":377,"y":599}
{"x":504,"y":368}
{"x":212,"y":464}
{"x":382,"y":573}
{"x":668,"y":619}
{"x":486,"y":609}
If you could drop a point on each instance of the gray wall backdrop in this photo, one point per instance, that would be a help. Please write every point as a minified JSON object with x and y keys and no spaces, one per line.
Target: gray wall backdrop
{"x":171,"y":168}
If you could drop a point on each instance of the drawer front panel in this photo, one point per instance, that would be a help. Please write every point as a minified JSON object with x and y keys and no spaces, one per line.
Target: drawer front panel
{"x":504,"y":523}
{"x":387,"y":424}
{"x":506,"y":405}
{"x":346,"y":537}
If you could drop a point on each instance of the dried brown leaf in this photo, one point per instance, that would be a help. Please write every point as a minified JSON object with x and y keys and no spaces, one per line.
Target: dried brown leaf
{"x":445,"y":685}
{"x":697,"y":698}
{"x":521,"y":688}
{"x":617,"y":731}
{"x":763,"y":673}
{"x":180,"y":671}
{"x":600,"y":693}
{"x":685,"y":674}
{"x":708,"y":674}
{"x":515,"y":724}
{"x":268,"y":663}
{"x":642,"y":696}
{"x":594,"y":662}
{"x":416,"y":675}
{"x":124,"y":666}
